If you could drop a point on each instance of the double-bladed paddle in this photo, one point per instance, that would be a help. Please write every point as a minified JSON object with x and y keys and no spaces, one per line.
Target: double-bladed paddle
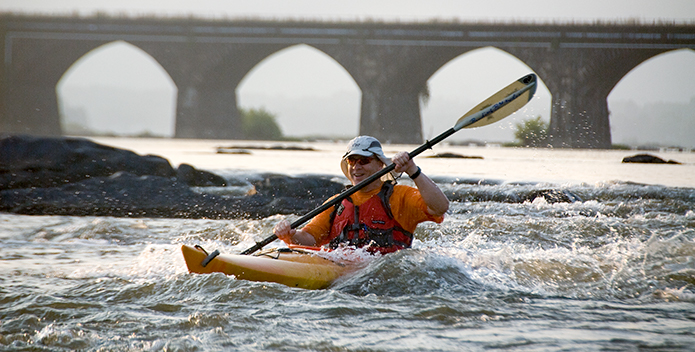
{"x":500,"y":105}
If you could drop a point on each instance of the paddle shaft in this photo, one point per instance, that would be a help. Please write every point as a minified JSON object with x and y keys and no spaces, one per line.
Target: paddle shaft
{"x":461,"y":123}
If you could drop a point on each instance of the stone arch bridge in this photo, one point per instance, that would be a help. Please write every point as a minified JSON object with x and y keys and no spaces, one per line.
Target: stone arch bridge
{"x":391,"y":63}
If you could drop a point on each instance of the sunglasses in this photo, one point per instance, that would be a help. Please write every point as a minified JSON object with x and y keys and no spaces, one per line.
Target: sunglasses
{"x":356,"y":159}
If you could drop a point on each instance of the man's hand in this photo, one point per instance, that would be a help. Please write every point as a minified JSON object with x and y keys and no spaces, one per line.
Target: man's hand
{"x":284,"y":231}
{"x":404,"y":163}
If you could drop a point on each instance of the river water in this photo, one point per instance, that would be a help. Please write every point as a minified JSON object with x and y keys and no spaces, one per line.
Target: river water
{"x":614,"y":271}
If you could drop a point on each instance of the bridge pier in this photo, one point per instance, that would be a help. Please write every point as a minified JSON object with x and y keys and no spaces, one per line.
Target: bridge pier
{"x":207,"y":112}
{"x":579,"y":121}
{"x":30,"y":108}
{"x":579,"y":110}
{"x":29,"y":102}
{"x":391,"y":78}
{"x":207,"y":76}
{"x":579,"y":84}
{"x":391,"y":115}
{"x":580,"y":81}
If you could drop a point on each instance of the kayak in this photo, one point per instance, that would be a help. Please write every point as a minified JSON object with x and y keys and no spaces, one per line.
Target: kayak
{"x":295,"y":267}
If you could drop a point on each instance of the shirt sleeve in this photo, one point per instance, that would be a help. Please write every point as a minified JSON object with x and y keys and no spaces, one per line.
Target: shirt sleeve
{"x":409,"y":209}
{"x":320,"y":225}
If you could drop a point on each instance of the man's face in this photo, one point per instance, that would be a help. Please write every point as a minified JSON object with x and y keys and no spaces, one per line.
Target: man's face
{"x":361,"y":167}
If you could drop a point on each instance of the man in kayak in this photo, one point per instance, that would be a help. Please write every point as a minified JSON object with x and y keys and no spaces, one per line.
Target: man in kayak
{"x":382,"y":216}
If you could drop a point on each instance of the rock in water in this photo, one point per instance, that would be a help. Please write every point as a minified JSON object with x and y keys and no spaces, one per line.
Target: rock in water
{"x":199,"y":178}
{"x":647,"y":159}
{"x":30,"y":161}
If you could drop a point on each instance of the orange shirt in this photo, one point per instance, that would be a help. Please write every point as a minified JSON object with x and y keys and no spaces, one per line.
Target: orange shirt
{"x":407,"y":207}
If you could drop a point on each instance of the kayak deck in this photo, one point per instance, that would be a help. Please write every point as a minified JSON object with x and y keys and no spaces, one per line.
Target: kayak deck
{"x":291,"y":267}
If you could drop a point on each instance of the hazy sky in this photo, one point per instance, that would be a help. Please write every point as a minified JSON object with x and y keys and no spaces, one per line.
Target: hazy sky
{"x":303,"y":74}
{"x":379,"y":9}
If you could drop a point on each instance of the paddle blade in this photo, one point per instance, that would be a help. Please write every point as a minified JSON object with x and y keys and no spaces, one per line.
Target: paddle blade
{"x":502,"y":104}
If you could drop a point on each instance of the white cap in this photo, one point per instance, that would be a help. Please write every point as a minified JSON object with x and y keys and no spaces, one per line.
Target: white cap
{"x":366,"y":146}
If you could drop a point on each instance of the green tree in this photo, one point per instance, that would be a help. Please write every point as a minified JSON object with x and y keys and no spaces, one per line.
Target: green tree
{"x":532,"y":132}
{"x":259,"y":124}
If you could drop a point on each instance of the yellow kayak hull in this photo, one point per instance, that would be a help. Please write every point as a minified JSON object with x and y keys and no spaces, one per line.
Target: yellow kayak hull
{"x":296,"y":268}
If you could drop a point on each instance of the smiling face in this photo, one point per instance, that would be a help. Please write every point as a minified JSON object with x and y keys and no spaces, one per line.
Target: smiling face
{"x":361,"y":167}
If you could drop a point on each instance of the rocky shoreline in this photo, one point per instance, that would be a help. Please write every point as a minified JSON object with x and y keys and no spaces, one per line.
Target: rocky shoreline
{"x":75,"y":176}
{"x":78,"y":177}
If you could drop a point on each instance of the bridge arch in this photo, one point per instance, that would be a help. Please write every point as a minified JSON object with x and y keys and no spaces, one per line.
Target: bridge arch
{"x":134,"y":94}
{"x":468,"y":79}
{"x":655,"y":100}
{"x":310,"y":92}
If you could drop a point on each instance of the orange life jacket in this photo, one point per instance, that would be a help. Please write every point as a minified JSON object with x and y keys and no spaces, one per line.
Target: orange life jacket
{"x":370,"y":224}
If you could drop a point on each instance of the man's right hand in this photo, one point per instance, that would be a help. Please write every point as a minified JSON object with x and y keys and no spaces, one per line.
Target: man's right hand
{"x":284,"y":231}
